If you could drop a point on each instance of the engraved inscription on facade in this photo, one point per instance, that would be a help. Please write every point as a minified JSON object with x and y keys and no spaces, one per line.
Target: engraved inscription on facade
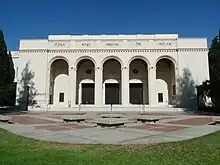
{"x":86,"y":44}
{"x":57,"y":44}
{"x":138,"y":44}
{"x":165,"y":43}
{"x":111,"y":44}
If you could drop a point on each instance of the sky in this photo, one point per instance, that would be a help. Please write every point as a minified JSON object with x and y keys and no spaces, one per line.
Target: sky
{"x":36,"y":19}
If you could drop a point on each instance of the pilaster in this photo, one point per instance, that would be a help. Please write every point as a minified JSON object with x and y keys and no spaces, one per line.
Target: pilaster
{"x":73,"y":85}
{"x":125,"y":86}
{"x":72,"y":89}
{"x":98,"y":86}
{"x":152,"y":85}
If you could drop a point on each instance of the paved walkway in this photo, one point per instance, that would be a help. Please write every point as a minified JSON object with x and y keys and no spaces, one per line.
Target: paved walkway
{"x":172,"y":127}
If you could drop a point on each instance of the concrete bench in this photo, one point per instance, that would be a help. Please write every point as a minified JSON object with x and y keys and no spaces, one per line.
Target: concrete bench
{"x":148,"y":120}
{"x":111,"y":116}
{"x":110,"y":124}
{"x":74,"y":119}
{"x":114,"y":122}
{"x":5,"y":119}
{"x":216,"y":122}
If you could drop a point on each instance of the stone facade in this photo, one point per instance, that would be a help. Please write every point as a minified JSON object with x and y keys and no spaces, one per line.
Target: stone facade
{"x":65,"y":71}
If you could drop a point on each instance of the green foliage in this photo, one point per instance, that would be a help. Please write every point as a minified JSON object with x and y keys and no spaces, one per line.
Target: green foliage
{"x":26,"y":80}
{"x":211,"y":88}
{"x":22,"y":151}
{"x":7,"y":72}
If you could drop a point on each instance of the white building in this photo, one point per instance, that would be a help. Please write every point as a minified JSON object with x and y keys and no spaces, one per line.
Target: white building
{"x":127,"y":71}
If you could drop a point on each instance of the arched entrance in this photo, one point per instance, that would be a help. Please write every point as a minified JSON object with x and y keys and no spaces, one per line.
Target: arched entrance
{"x":138,"y":82}
{"x":85,"y":82}
{"x":59,"y":76}
{"x":112,"y":82}
{"x":165,"y":81}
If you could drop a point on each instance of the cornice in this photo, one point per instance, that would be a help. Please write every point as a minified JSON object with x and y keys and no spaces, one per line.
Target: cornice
{"x":111,"y":50}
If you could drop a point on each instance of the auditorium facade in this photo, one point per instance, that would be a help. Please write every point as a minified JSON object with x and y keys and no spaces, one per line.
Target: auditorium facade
{"x":125,"y":71}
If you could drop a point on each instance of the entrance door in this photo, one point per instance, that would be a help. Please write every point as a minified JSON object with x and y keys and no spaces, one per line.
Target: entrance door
{"x":136,"y":93}
{"x":111,"y":93}
{"x":88,"y":93}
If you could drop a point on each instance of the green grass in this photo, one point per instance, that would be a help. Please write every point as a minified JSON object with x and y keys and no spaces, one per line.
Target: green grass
{"x":17,"y":150}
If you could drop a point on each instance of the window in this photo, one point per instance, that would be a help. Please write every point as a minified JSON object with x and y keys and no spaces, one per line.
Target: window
{"x":174,"y":90}
{"x":50,"y":100}
{"x":61,"y":97}
{"x":160,"y":97}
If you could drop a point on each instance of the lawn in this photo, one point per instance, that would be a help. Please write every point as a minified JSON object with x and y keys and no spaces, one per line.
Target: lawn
{"x":17,"y":150}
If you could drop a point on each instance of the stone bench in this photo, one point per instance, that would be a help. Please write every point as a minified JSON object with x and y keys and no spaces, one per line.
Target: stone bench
{"x":5,"y":119}
{"x":110,"y":124}
{"x":74,"y":119}
{"x":148,"y":120}
{"x":111,"y":116}
{"x":216,"y":122}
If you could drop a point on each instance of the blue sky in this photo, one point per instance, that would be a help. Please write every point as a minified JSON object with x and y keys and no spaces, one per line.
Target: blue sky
{"x":28,"y":19}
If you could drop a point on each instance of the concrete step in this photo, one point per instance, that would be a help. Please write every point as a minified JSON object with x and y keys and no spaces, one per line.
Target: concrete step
{"x":109,"y":109}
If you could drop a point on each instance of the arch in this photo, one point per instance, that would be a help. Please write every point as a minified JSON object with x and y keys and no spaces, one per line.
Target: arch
{"x":166,"y":72}
{"x":138,"y":57}
{"x":161,"y":81}
{"x":111,"y":81}
{"x":58,"y":58}
{"x":162,"y":92}
{"x":135,"y":81}
{"x":138,"y":80}
{"x":113,"y":58}
{"x":58,"y":80}
{"x":85,"y":58}
{"x":166,"y":57}
{"x":87,"y":81}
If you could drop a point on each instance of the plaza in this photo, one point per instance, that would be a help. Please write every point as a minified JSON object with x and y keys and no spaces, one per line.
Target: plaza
{"x":126,"y":71}
{"x":171,"y":127}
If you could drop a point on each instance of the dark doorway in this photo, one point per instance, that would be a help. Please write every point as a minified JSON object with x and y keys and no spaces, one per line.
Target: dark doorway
{"x":87,"y":93}
{"x":136,"y":93}
{"x":160,"y":97}
{"x":112,"y":94}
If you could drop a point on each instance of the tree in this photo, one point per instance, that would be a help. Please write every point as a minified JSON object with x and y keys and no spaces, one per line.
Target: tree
{"x":211,"y":88}
{"x":7,"y":74}
{"x":27,"y":81}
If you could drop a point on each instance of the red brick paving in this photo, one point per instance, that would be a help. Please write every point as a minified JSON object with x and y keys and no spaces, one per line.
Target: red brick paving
{"x":53,"y":128}
{"x":159,"y":127}
{"x":166,"y":118}
{"x":62,"y":127}
{"x":193,"y":121}
{"x":27,"y":120}
{"x":132,"y":119}
{"x":154,"y":114}
{"x":74,"y":126}
{"x":167,"y":128}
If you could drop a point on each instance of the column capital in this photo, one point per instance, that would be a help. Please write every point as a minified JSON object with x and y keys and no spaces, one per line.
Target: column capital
{"x":124,"y":68}
{"x":152,"y":68}
{"x":98,"y":68}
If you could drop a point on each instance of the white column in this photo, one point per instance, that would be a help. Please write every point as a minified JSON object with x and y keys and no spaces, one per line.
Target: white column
{"x":47,"y":86}
{"x":73,"y":86}
{"x":98,"y":86}
{"x":176,"y":69}
{"x":152,"y":86}
{"x":125,"y":86}
{"x":70,"y":87}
